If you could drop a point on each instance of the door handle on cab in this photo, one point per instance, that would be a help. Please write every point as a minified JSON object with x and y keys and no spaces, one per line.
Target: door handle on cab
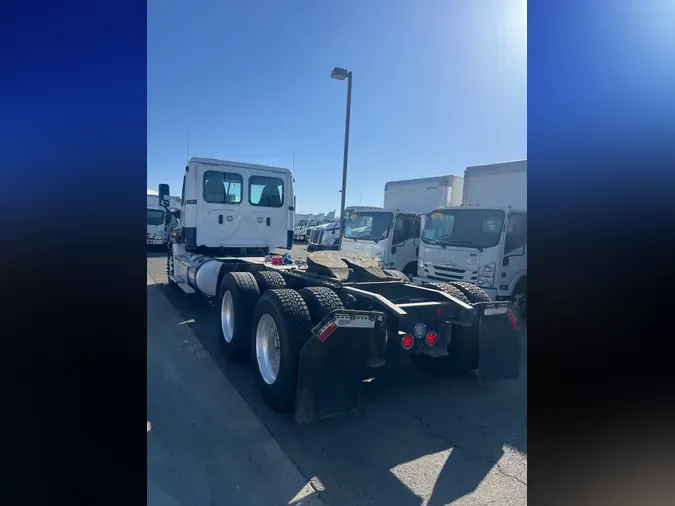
{"x":268,"y":221}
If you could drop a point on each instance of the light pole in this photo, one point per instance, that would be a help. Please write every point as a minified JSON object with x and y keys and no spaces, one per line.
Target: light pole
{"x":341,"y":74}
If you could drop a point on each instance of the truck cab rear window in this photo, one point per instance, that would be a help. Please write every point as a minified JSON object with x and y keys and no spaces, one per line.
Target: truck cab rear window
{"x":222,"y":187}
{"x":265,"y":191}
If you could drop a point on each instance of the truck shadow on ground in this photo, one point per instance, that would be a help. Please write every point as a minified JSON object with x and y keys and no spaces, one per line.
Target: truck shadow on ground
{"x":153,"y":251}
{"x":414,"y":440}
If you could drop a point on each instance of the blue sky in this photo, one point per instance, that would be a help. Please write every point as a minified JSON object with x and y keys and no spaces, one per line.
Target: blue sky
{"x":438,"y":85}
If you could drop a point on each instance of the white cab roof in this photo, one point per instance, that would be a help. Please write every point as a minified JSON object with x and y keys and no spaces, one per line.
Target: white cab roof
{"x":241,"y":165}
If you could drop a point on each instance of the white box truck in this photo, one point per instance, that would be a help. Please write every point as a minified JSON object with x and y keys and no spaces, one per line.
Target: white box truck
{"x":483,"y":242}
{"x":391,"y":234}
{"x":159,"y":223}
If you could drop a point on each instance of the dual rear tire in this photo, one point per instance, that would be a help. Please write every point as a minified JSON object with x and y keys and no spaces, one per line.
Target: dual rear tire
{"x":282,"y":324}
{"x":270,"y":328}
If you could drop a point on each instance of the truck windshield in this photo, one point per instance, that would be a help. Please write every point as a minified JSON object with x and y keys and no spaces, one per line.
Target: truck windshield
{"x":155,"y":217}
{"x":468,"y":228}
{"x":366,"y":226}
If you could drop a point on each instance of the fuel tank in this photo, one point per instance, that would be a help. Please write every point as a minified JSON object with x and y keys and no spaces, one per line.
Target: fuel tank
{"x":202,"y":272}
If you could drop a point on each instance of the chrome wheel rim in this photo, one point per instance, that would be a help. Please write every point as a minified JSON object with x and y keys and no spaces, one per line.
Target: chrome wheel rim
{"x":268,"y":352}
{"x":227,"y":316}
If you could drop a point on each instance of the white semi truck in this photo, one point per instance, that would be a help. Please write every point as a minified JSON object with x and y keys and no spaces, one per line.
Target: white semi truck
{"x":485,"y":240}
{"x":159,"y":222}
{"x":310,"y":327}
{"x":391,"y":234}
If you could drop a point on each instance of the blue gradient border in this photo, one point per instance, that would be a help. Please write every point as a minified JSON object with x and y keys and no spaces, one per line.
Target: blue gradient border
{"x":73,"y":158}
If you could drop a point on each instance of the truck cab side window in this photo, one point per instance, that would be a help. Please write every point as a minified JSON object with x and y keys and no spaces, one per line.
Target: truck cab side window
{"x":516,"y":232}
{"x":417,"y":227}
{"x":404,"y":228}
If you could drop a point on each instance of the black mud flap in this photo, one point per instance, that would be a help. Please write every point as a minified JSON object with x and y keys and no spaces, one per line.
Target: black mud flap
{"x":499,"y":342}
{"x":331,"y":364}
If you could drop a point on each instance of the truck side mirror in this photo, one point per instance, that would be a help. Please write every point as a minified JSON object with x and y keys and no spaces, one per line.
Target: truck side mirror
{"x":164,"y":195}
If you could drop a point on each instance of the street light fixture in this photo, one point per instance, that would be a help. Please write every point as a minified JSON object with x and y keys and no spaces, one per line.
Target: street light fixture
{"x":341,"y":74}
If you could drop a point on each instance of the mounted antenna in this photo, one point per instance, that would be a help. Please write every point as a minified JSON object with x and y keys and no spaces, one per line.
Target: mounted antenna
{"x":293,"y":160}
{"x":188,"y":149}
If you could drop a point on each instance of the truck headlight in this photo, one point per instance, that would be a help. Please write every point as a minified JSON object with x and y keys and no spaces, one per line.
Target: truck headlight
{"x":485,"y":281}
{"x":379,"y":256}
{"x":487,"y":270}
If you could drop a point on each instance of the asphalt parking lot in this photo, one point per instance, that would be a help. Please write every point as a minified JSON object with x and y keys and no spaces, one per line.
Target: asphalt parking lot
{"x":416,"y":440}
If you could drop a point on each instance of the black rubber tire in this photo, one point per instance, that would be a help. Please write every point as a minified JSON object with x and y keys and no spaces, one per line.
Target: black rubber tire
{"x":320,"y":301}
{"x":450,"y":290}
{"x":294,"y":325}
{"x":169,"y":268}
{"x":268,"y":280}
{"x":245,"y":295}
{"x":463,"y":347}
{"x":410,"y":270}
{"x":472,"y":292}
{"x":520,"y":290}
{"x":393,"y":273}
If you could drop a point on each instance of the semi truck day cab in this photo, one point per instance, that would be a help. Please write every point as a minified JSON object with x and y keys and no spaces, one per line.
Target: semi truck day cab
{"x":159,"y":222}
{"x":485,"y":240}
{"x":325,"y":237}
{"x":391,"y":234}
{"x":313,"y":327}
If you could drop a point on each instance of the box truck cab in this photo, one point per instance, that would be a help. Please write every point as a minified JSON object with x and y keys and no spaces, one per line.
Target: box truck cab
{"x":391,"y":234}
{"x":484,"y":241}
{"x":159,"y":223}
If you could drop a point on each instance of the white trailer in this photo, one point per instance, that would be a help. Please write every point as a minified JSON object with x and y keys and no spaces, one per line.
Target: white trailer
{"x":485,"y":241}
{"x":391,"y":234}
{"x":310,"y":327}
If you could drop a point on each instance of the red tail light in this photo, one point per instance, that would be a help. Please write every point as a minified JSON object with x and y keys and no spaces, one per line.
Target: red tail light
{"x":407,"y":342}
{"x":431,"y":338}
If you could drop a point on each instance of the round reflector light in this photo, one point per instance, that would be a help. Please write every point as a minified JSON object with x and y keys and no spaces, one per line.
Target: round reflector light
{"x":431,"y":338}
{"x":407,"y":342}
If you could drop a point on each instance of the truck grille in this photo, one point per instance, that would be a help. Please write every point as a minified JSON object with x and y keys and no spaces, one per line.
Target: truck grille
{"x":315,"y":236}
{"x":443,"y":273}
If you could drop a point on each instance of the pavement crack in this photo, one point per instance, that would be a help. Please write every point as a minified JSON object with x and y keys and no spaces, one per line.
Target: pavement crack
{"x":504,"y":473}
{"x":429,"y":429}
